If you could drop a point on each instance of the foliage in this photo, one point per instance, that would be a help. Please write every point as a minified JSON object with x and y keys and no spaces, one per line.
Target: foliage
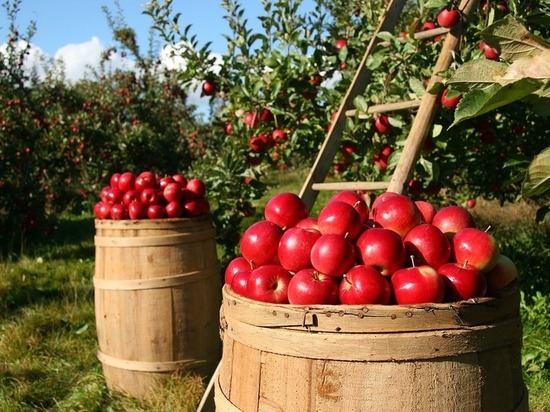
{"x":296,"y":69}
{"x":60,"y":142}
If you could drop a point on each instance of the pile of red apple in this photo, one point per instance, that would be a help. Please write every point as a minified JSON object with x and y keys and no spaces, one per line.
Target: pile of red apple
{"x":398,"y":251}
{"x":148,"y":196}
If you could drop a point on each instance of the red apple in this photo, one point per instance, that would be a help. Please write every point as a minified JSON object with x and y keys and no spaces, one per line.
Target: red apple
{"x":382,"y":124}
{"x":259,"y":243}
{"x":172,"y":192}
{"x":137,"y":210}
{"x":119,"y":211}
{"x":268,"y":283}
{"x":470,"y":203}
{"x":295,"y":248}
{"x":126,"y":181}
{"x":462,"y":281}
{"x":236,"y":265}
{"x":502,"y":275}
{"x":451,"y":101}
{"x":364,"y":285}
{"x":427,"y":210}
{"x":285,"y":210}
{"x":163,"y":181}
{"x":355,"y":200}
{"x":309,"y":287}
{"x":381,"y":198}
{"x":239,"y":282}
{"x":341,"y":43}
{"x":196,"y":186}
{"x":309,"y":222}
{"x":145,"y":180}
{"x":114,"y":195}
{"x":114,"y":179}
{"x":251,"y":119}
{"x":475,"y":247}
{"x":332,"y":254}
{"x":279,"y":135}
{"x":428,"y":245}
{"x":156,"y":211}
{"x":382,"y":249}
{"x":181,"y":179}
{"x":417,"y":284}
{"x":489,"y":52}
{"x":174,"y":209}
{"x":196,"y":207}
{"x":448,"y":17}
{"x":452,"y":219}
{"x":339,"y":218}
{"x":398,"y":213}
{"x":102,"y":210}
{"x":208,"y":88}
{"x":149,"y":196}
{"x":130,"y":196}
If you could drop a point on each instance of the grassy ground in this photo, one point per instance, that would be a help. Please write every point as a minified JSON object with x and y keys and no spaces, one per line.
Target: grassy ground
{"x":47,"y":330}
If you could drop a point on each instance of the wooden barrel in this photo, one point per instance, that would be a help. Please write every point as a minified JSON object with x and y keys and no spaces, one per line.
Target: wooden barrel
{"x":157,"y":297}
{"x":463,"y":356}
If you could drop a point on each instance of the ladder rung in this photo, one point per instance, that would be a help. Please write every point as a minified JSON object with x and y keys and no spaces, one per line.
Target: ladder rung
{"x":428,"y":34}
{"x":387,"y":107}
{"x":350,"y":186}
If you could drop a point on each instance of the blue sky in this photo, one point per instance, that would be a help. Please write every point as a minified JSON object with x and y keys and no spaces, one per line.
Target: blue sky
{"x":62,"y":22}
{"x":76,"y":31}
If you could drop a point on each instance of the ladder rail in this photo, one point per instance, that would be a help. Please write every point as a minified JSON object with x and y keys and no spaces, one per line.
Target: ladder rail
{"x":330,"y":146}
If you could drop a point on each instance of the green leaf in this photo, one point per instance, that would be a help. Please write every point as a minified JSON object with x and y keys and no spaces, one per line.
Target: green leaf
{"x":480,"y":101}
{"x":436,"y":4}
{"x":361,"y":104}
{"x":537,"y":178}
{"x":478,"y":72}
{"x":417,"y":87}
{"x":512,"y":39}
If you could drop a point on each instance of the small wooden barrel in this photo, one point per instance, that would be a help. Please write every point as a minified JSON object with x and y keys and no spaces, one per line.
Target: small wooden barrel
{"x":157,"y":298}
{"x":463,"y":356}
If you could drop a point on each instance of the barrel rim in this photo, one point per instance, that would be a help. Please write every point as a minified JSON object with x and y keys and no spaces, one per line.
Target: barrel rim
{"x":140,"y":223}
{"x":355,"y":318}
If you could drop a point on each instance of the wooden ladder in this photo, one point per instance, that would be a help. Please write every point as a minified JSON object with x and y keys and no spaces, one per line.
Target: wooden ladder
{"x":426,"y":109}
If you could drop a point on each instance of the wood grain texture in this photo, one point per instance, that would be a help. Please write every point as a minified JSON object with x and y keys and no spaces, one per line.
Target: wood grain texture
{"x":157,"y":297}
{"x":280,"y":359}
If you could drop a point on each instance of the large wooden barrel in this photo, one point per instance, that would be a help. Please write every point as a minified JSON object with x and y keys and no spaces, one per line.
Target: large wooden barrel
{"x":463,"y":356}
{"x":157,"y":297}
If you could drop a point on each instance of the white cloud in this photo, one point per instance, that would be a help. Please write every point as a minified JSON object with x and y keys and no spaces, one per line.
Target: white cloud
{"x":79,"y":58}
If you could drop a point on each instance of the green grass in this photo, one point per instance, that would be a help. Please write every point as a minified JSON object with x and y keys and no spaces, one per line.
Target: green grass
{"x":47,"y":327}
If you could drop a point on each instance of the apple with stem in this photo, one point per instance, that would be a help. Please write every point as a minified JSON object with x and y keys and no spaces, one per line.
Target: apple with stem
{"x":462,"y":281}
{"x":476,"y":247}
{"x":382,"y":249}
{"x":355,"y":200}
{"x":428,"y":245}
{"x":310,"y":287}
{"x":339,"y":218}
{"x":448,"y":17}
{"x":364,"y":285}
{"x":332,"y":254}
{"x":268,"y":283}
{"x":417,"y":284}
